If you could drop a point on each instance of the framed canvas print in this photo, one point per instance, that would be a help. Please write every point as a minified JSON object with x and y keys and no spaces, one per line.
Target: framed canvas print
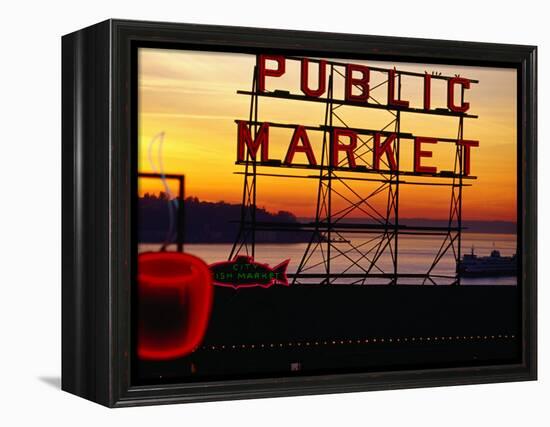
{"x":254,"y":213}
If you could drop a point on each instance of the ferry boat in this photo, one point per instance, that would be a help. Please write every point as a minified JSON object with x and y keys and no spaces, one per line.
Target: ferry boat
{"x":472,"y":265}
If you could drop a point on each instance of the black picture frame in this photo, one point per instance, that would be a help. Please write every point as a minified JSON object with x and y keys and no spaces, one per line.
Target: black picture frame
{"x":97,"y":205}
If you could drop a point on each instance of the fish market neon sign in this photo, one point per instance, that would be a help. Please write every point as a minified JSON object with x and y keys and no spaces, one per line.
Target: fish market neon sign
{"x":243,"y":271}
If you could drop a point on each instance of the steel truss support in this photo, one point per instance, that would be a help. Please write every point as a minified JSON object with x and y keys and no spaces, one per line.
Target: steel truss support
{"x":373,"y":254}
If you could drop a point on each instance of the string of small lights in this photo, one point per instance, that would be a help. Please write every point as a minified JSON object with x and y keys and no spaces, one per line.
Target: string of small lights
{"x":358,"y":341}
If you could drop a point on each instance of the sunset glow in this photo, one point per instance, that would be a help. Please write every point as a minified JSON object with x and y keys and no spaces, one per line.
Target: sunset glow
{"x":192,"y":98}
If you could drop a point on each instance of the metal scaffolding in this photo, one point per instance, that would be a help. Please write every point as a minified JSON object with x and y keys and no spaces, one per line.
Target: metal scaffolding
{"x":372,"y":255}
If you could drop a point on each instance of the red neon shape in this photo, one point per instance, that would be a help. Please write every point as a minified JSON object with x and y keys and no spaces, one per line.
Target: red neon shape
{"x":362,"y":81}
{"x":315,"y":93}
{"x":347,"y":148}
{"x":419,"y":153}
{"x":467,"y":145}
{"x":175,"y":299}
{"x":300,"y":135}
{"x":261,"y":139}
{"x":427,"y":91}
{"x":464,"y":106}
{"x":391,"y":92}
{"x":385,"y":147}
{"x":264,"y":72}
{"x":279,"y":268}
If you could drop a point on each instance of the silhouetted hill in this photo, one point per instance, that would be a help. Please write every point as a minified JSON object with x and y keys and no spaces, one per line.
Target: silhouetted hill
{"x":218,"y":222}
{"x":207,"y":222}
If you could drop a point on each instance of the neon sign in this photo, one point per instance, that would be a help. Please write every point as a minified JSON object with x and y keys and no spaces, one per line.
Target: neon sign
{"x":343,"y":141}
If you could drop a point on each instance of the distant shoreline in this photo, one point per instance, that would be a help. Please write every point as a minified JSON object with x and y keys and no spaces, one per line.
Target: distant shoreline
{"x":298,"y":243}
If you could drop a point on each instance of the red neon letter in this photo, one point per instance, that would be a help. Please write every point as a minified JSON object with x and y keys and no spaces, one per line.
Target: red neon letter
{"x":300,"y":134}
{"x":305,"y":77}
{"x":362,"y":82}
{"x":263,"y":71}
{"x":391,"y":92}
{"x":427,"y":91}
{"x":244,"y":137}
{"x":385,"y":147}
{"x":467,"y":145}
{"x":349,"y":148}
{"x":465,"y":83}
{"x":418,"y":154}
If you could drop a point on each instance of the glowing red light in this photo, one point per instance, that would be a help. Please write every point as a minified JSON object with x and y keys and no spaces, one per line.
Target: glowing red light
{"x":175,"y":299}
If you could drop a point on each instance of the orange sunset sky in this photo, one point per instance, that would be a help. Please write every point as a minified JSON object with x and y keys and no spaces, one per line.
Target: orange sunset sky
{"x":191,"y":97}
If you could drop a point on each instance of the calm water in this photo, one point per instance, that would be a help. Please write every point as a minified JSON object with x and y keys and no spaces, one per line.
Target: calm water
{"x":416,"y":254}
